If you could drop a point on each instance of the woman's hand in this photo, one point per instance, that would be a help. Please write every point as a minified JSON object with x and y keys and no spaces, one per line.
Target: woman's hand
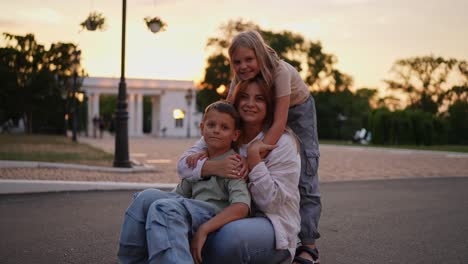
{"x":193,"y":159}
{"x":255,"y":150}
{"x":197,"y":243}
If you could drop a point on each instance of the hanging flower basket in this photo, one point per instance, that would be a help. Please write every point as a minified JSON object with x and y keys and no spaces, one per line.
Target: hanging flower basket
{"x":94,"y":21}
{"x":155,"y":24}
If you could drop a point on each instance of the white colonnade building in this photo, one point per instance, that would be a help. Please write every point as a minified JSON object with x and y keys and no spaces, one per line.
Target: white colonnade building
{"x":173,"y":111}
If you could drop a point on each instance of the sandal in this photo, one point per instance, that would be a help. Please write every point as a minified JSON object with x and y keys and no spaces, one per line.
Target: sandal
{"x":313,"y":252}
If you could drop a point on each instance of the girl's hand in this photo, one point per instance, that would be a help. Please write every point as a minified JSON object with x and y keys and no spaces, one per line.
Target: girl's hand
{"x":255,"y":150}
{"x":197,"y":243}
{"x":193,"y":159}
{"x":258,"y":147}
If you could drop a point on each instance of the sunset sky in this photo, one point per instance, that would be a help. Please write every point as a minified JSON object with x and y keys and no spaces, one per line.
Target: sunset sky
{"x":367,"y":36}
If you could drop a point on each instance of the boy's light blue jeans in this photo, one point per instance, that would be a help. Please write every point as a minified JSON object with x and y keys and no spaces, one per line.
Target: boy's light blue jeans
{"x":158,"y":227}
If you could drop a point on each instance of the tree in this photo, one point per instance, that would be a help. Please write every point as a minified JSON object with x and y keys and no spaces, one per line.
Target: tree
{"x":458,"y":120}
{"x":457,"y":112}
{"x":36,"y":81}
{"x":340,"y":113}
{"x":9,"y":94}
{"x":423,"y":80}
{"x":306,"y":56}
{"x":25,"y":61}
{"x":288,"y":45}
{"x":321,"y":72}
{"x":63,"y":61}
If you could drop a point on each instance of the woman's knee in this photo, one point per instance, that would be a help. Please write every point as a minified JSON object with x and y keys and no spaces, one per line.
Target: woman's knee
{"x":238,"y":240}
{"x":228,"y":243}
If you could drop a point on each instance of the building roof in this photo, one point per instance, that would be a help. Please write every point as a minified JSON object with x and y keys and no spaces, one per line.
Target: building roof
{"x":135,"y":83}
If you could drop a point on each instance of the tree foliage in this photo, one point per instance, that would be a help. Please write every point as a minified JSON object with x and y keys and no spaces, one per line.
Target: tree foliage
{"x":436,"y":89}
{"x":341,"y":113}
{"x":36,"y":81}
{"x":330,"y":86}
{"x":423,"y":80}
{"x":306,"y":56}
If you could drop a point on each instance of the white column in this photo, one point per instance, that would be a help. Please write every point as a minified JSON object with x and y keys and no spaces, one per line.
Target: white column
{"x":139,"y":115}
{"x":131,"y":114}
{"x":96,"y":104}
{"x":90,"y":114}
{"x":155,"y":118}
{"x":95,"y":130}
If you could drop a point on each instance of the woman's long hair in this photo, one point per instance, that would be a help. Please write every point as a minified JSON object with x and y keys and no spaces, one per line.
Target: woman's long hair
{"x":267,"y":93}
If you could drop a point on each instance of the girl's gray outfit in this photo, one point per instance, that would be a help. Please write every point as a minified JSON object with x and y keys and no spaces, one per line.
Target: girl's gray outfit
{"x":302,"y":119}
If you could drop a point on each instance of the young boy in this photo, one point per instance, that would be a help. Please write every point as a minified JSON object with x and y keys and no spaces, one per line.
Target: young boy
{"x":172,"y":227}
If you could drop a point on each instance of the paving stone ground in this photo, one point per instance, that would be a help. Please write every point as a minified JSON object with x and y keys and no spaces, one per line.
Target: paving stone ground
{"x":337,"y":163}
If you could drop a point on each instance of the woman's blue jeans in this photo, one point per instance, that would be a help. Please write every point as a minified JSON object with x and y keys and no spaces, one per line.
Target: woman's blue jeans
{"x":248,"y":240}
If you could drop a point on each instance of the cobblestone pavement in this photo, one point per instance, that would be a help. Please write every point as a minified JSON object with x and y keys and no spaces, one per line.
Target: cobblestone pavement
{"x":337,"y":163}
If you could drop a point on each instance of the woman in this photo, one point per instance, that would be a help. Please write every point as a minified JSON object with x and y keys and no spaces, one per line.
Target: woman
{"x":271,"y":235}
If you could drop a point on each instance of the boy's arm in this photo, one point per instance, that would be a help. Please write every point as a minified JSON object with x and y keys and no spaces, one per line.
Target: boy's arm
{"x":279,"y":122}
{"x":232,"y":212}
{"x":239,"y":200}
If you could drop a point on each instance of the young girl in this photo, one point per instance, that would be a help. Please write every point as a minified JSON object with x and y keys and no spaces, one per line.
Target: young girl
{"x":250,"y":56}
{"x":158,"y":225}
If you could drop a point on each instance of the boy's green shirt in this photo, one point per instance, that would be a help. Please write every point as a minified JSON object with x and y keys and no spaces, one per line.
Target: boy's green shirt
{"x":218,"y":191}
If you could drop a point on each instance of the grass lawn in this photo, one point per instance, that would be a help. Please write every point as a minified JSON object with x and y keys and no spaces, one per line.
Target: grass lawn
{"x":51,"y":148}
{"x":451,"y":148}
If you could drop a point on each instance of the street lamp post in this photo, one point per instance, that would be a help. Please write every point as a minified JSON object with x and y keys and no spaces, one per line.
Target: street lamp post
{"x":79,"y":96}
{"x":121,"y":133}
{"x":75,"y":63}
{"x":188,"y":98}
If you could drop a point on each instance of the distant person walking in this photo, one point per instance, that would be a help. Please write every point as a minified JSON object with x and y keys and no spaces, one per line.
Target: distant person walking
{"x":102,"y":125}
{"x":95,"y":125}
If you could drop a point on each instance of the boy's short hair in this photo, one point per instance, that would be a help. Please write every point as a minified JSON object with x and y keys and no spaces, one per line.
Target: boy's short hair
{"x":223,"y":106}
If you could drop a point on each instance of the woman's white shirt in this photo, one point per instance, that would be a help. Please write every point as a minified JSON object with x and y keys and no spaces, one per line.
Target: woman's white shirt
{"x":273,"y":185}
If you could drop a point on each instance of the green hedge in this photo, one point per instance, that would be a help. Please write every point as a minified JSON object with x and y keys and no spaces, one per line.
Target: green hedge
{"x":407,"y":126}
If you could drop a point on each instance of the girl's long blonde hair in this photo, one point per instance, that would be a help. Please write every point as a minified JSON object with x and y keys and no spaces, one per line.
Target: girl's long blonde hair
{"x":267,"y":58}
